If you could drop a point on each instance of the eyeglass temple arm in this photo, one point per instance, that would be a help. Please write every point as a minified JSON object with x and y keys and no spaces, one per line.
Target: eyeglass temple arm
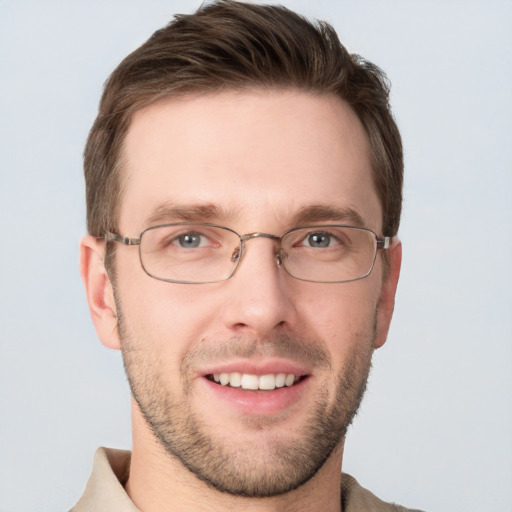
{"x":383,"y":242}
{"x":113,"y":237}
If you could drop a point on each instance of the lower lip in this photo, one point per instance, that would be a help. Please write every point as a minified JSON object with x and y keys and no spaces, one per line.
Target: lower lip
{"x":259,"y":403}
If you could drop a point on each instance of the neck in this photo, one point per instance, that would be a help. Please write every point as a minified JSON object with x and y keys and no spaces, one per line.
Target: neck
{"x":160,"y":482}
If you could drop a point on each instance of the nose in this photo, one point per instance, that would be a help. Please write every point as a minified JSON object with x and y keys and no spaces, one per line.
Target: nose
{"x":259,"y":298}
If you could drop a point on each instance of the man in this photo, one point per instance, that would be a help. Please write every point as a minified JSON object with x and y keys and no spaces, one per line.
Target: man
{"x":244,"y":181}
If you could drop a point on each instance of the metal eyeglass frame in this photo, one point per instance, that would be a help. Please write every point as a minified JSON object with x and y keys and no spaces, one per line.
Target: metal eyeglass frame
{"x":382,"y":243}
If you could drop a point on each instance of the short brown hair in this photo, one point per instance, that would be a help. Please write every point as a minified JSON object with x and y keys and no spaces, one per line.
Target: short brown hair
{"x":230,"y":45}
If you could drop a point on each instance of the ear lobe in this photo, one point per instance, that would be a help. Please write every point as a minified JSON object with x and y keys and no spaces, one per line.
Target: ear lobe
{"x":99,"y":291}
{"x":387,"y":297}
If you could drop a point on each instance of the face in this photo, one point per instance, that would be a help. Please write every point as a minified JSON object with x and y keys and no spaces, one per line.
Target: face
{"x":254,"y":162}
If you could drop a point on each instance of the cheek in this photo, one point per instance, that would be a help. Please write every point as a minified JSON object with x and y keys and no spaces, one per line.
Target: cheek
{"x":165,"y":318}
{"x":341,"y":315}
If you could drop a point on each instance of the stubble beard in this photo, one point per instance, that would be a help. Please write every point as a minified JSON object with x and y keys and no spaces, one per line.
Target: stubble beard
{"x":260,"y":469}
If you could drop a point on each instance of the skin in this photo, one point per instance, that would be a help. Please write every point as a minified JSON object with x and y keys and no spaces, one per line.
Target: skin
{"x":260,"y":157}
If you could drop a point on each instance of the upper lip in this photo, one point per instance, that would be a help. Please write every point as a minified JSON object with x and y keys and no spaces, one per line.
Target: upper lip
{"x":253,"y":367}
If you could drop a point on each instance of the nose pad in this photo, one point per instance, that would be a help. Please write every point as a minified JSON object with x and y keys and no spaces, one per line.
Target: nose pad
{"x":280,"y":257}
{"x":236,"y":255}
{"x":238,"y":252}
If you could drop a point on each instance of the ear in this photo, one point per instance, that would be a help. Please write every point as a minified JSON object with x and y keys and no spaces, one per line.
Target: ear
{"x":388,"y":291}
{"x":99,"y":291}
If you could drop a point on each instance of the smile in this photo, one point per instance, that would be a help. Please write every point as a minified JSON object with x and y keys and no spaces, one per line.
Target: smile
{"x":249,"y":381}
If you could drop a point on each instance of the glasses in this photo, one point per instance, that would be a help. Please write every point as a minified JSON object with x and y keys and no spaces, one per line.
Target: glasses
{"x":206,"y":253}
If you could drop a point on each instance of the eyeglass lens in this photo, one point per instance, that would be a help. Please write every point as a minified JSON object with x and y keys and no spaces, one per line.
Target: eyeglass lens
{"x":198,"y":253}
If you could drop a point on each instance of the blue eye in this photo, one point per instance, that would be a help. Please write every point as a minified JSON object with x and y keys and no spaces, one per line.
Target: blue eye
{"x":319,"y":240}
{"x":189,"y":240}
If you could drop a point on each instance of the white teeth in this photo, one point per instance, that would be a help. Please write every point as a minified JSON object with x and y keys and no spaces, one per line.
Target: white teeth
{"x":266,"y":382}
{"x":280,"y":380}
{"x":249,"y":381}
{"x":235,"y":380}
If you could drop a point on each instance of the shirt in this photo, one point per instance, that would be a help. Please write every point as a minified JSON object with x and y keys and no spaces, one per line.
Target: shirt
{"x":105,"y":491}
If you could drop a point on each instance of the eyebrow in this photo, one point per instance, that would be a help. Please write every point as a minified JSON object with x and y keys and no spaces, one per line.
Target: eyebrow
{"x":209,"y":212}
{"x":327,"y":213}
{"x":199,"y":213}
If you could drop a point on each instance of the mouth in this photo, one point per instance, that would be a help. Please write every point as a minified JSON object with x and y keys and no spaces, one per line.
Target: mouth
{"x":258,"y":388}
{"x":253,"y":382}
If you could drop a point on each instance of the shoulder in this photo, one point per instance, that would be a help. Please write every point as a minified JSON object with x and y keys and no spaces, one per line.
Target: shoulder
{"x":355,"y":498}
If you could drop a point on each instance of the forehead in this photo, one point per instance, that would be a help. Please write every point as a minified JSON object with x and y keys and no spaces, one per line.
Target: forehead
{"x":253,"y":158}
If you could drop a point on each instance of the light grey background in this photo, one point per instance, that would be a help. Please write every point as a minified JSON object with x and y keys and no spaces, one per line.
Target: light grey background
{"x":435,"y":430}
